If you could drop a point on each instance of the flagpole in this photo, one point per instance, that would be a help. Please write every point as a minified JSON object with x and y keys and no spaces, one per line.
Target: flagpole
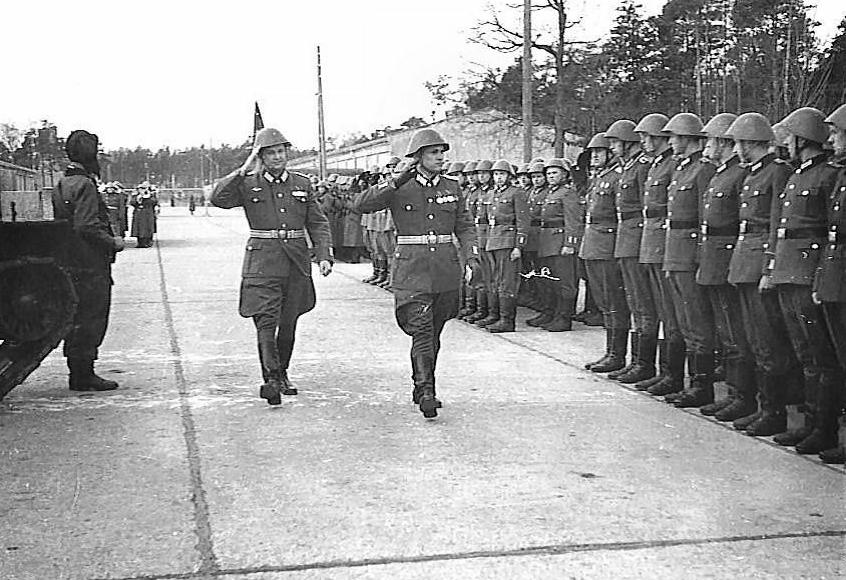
{"x":321,"y":131}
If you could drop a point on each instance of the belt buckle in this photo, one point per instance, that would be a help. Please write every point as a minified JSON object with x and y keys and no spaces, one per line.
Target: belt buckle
{"x":781,"y":232}
{"x":431,"y":239}
{"x":282,"y":234}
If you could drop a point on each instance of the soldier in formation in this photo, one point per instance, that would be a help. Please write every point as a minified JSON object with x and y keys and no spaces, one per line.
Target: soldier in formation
{"x":146,"y":206}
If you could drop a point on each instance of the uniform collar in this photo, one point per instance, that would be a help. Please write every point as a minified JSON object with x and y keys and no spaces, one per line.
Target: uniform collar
{"x":426,"y":182}
{"x":812,"y":162}
{"x":660,"y":157}
{"x":281,"y":179}
{"x":761,"y":163}
{"x":730,"y":162}
{"x":695,"y":156}
{"x":633,"y":159}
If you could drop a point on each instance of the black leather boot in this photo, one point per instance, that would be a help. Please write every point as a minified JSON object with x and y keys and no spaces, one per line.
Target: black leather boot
{"x":83,"y":378}
{"x":826,"y":410}
{"x":673,"y":381}
{"x":644,"y":367}
{"x":493,"y":311}
{"x":701,"y":389}
{"x":507,"y":314}
{"x":745,"y":402}
{"x":481,"y":308}
{"x":617,"y":359}
{"x":604,"y":358}
{"x":634,"y":337}
{"x":469,"y":303}
{"x":772,"y":418}
{"x":375,"y":274}
{"x":661,"y":349}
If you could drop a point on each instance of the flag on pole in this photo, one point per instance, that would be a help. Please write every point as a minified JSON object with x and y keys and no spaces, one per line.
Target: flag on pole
{"x":258,"y":123}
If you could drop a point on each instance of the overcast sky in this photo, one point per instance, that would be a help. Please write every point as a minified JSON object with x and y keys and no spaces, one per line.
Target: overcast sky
{"x":184,"y":72}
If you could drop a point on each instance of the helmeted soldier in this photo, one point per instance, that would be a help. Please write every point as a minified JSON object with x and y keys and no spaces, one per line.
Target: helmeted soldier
{"x":487,"y":306}
{"x":562,"y":227}
{"x":470,"y":305}
{"x":523,"y":177}
{"x":541,"y":292}
{"x":761,"y":321}
{"x":115,"y":200}
{"x":508,"y":224}
{"x":456,"y":171}
{"x":830,"y":278}
{"x":91,"y":251}
{"x":719,"y":227}
{"x":276,"y":285}
{"x":628,"y":193}
{"x":385,"y":235}
{"x":428,"y":209}
{"x":798,"y":234}
{"x":691,"y":306}
{"x":369,"y":224}
{"x":604,"y":275}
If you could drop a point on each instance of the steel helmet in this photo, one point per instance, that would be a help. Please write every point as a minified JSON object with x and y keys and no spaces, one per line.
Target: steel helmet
{"x":455,"y":168}
{"x":393,"y":161}
{"x":750,"y":127}
{"x":425,"y":138}
{"x":807,"y":123}
{"x":484,"y":165}
{"x":269,"y":137}
{"x":558,"y":162}
{"x":469,"y":167}
{"x":719,"y":124}
{"x":503,"y":165}
{"x":598,"y":141}
{"x":685,"y":124}
{"x":333,"y":178}
{"x":838,"y":117}
{"x":622,"y":130}
{"x":536,"y":167}
{"x":522,"y":169}
{"x":653,"y":124}
{"x":781,"y":134}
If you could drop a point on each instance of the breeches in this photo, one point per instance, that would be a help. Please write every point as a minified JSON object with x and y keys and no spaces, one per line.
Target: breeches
{"x":606,"y":283}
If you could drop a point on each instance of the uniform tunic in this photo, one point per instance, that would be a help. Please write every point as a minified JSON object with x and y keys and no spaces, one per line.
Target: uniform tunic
{"x":830,"y":278}
{"x":144,"y":216}
{"x":562,"y":225}
{"x":508,"y":225}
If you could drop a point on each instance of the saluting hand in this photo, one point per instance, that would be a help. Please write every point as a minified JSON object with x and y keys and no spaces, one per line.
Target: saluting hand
{"x":325,"y":267}
{"x":245,"y":168}
{"x":406,"y":175}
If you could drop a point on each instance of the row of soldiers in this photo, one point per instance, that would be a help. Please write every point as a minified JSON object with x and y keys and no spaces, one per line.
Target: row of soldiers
{"x":145,"y":208}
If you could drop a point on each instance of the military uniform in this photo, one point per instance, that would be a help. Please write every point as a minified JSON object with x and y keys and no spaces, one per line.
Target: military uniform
{"x":535,"y":286}
{"x":761,"y":318}
{"x":116,"y":206}
{"x":427,"y":274}
{"x":480,"y":201}
{"x":685,"y":195}
{"x":144,"y":218}
{"x":276,"y":285}
{"x":798,"y":235}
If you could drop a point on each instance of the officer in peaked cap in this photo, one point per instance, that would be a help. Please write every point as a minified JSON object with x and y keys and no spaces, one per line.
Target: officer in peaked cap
{"x":796,"y":243}
{"x":428,"y":209}
{"x":276,"y":286}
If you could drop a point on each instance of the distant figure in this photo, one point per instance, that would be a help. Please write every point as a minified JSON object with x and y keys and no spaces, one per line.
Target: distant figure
{"x":146,"y":204}
{"x":115,"y":200}
{"x":91,"y":251}
{"x":192,"y":204}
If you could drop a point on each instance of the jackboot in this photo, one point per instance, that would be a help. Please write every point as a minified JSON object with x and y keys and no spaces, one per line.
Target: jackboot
{"x":634,"y":337}
{"x":423,"y":374}
{"x":644,"y":367}
{"x":507,"y":314}
{"x":701,"y":389}
{"x":562,"y":320}
{"x":772,"y":418}
{"x":375,"y":274}
{"x":619,"y":341}
{"x":604,"y":358}
{"x":385,"y":284}
{"x":728,"y":400}
{"x":673,"y":380}
{"x":83,"y":378}
{"x":382,"y":275}
{"x":493,"y":311}
{"x":824,"y":434}
{"x":546,"y":309}
{"x":742,"y":376}
{"x":481,"y":307}
{"x":287,"y":387}
{"x":791,"y":438}
{"x":661,"y":348}
{"x":469,"y":303}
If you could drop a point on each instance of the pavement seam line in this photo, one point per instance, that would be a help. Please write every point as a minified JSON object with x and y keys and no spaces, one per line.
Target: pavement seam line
{"x":542,"y":550}
{"x":202,"y":523}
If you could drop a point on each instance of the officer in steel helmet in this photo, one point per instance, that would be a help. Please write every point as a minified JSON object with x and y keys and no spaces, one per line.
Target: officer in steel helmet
{"x":597,"y":251}
{"x":427,"y":209}
{"x":628,"y":194}
{"x":830,"y":279}
{"x":761,"y":321}
{"x":691,"y":306}
{"x":276,"y":286}
{"x":796,"y":242}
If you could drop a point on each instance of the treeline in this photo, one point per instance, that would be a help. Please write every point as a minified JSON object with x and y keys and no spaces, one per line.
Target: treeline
{"x":704,"y":56}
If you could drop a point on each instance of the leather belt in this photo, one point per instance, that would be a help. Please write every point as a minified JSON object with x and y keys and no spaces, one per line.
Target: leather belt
{"x":605,"y":223}
{"x":277,"y":234}
{"x":799,"y":233}
{"x":747,"y":228}
{"x":683,"y":224}
{"x":655,"y":212}
{"x":628,"y":215}
{"x":535,"y":223}
{"x":544,"y":224}
{"x":427,"y":239}
{"x":707,"y":230}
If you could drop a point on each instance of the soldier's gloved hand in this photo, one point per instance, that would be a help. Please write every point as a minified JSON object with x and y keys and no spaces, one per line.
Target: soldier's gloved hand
{"x":568,"y":251}
{"x":766,"y":283}
{"x":407,"y":175}
{"x":325,"y":267}
{"x":119,"y":244}
{"x":515,"y":254}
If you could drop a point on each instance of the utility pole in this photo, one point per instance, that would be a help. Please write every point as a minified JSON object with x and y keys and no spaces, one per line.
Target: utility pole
{"x":321,"y":130}
{"x":527,"y":81}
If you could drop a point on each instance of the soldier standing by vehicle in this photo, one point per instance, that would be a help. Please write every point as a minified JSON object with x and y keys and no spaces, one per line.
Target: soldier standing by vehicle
{"x":692,"y":309}
{"x":761,"y":320}
{"x":597,"y":251}
{"x":276,"y":285}
{"x":798,"y":233}
{"x":427,"y":209}
{"x":562,"y":226}
{"x":146,"y":205}
{"x":508,"y":224}
{"x":91,"y":252}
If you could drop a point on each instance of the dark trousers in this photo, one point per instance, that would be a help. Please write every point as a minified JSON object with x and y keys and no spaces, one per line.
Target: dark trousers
{"x":693,"y":312}
{"x":276,"y":335}
{"x":729,"y":325}
{"x":835,"y":319}
{"x":483,"y":273}
{"x":564,"y":289}
{"x":659,"y":285}
{"x":422,"y":317}
{"x":639,"y":296}
{"x":94,"y":290}
{"x":505,"y":273}
{"x":606,"y":282}
{"x":765,"y":331}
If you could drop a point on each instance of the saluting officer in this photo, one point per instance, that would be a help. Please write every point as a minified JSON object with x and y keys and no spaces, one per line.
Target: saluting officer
{"x":798,"y":233}
{"x":562,"y":227}
{"x":276,"y":285}
{"x":508,"y":224}
{"x":761,"y":319}
{"x":604,"y":275}
{"x":628,"y":192}
{"x":691,"y":306}
{"x":830,"y":279}
{"x":719,"y":228}
{"x":428,"y":209}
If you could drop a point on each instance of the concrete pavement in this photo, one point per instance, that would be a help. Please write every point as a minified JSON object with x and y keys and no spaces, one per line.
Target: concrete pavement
{"x":535,"y":468}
